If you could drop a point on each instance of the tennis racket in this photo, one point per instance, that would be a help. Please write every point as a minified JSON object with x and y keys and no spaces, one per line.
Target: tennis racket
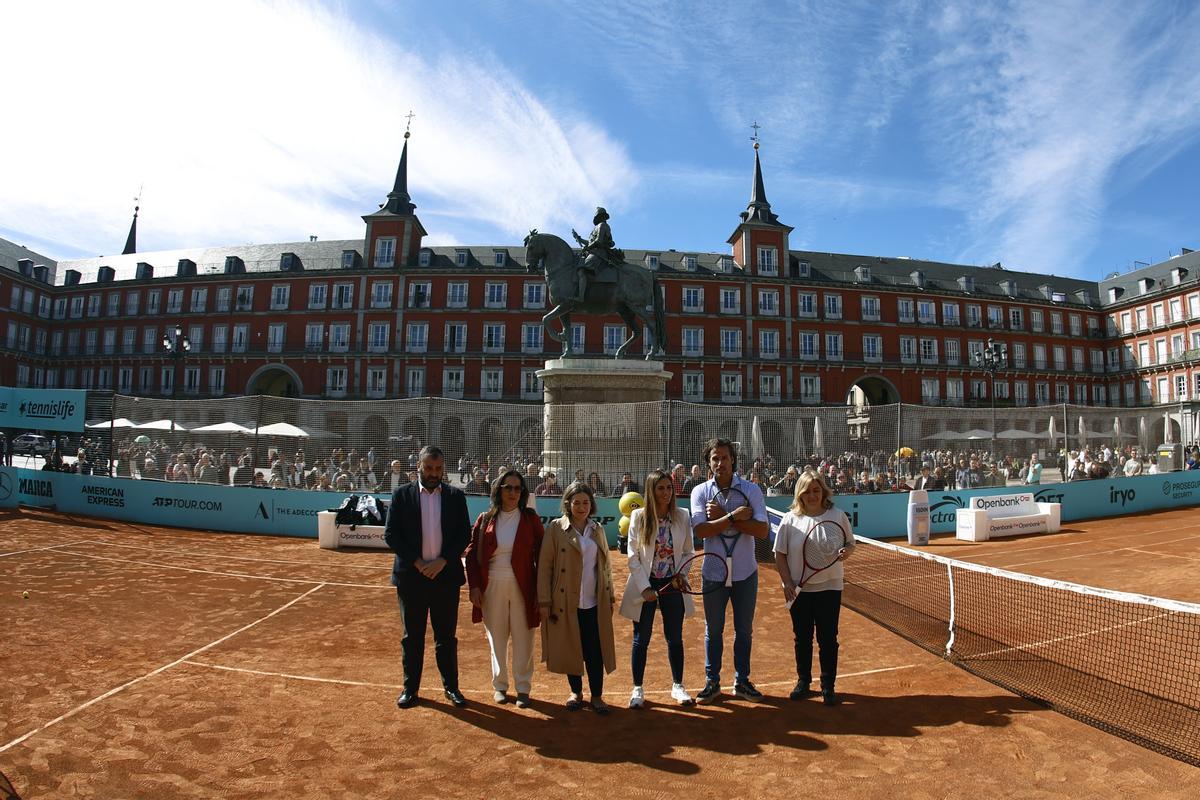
{"x":681,"y":581}
{"x":7,"y":791}
{"x":823,"y":546}
{"x":730,"y":500}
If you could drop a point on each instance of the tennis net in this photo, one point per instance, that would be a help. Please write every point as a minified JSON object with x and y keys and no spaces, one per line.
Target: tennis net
{"x":1127,"y":664}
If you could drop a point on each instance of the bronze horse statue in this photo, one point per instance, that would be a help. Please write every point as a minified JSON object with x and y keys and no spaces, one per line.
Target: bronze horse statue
{"x":631,"y":297}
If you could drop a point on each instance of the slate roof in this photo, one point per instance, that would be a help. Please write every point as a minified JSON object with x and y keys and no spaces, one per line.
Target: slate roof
{"x":1128,"y":284}
{"x":11,"y":252}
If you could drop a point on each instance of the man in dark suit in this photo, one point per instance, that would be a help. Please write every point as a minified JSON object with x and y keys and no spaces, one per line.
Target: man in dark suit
{"x":428,"y":528}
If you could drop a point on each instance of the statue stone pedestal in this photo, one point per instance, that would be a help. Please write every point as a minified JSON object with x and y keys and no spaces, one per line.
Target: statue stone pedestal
{"x":603,"y":415}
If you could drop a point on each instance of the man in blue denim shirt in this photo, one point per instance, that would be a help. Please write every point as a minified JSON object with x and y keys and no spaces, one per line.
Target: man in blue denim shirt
{"x":741,"y":525}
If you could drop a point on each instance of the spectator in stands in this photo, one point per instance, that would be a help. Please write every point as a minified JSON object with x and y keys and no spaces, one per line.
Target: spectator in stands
{"x":181,"y":473}
{"x":323,"y":483}
{"x":678,"y":479}
{"x":1033,"y":473}
{"x":787,"y":484}
{"x":627,"y":484}
{"x":971,"y":477}
{"x":925,"y":479}
{"x":695,"y":478}
{"x":205,"y":471}
{"x":150,"y":470}
{"x":479,"y":483}
{"x":549,"y":486}
{"x":596,"y":485}
{"x":532,"y":477}
{"x":364,"y":478}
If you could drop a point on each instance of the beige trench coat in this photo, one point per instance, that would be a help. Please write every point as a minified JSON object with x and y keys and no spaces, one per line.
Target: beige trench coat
{"x":560,"y":571}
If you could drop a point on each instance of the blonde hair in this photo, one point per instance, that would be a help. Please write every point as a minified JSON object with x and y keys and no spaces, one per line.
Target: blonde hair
{"x":803,"y":485}
{"x":649,"y":518}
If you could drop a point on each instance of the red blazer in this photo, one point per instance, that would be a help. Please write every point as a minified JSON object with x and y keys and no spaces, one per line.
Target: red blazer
{"x":525,"y":551}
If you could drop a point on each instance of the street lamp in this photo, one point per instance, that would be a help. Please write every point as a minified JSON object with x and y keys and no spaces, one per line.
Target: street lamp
{"x":991,"y":359}
{"x":176,"y":347}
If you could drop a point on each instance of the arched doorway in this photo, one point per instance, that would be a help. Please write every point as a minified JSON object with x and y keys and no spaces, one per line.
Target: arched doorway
{"x":872,"y":390}
{"x":275,"y":380}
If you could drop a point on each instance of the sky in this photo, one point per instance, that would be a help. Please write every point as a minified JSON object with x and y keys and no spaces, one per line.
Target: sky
{"x":1056,"y":136}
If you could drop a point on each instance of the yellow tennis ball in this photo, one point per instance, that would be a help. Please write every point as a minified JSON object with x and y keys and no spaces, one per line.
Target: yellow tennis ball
{"x":629,"y":501}
{"x":623,"y":526}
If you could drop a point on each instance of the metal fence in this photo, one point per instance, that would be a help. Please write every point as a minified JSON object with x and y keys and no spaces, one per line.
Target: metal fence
{"x":297,"y":438}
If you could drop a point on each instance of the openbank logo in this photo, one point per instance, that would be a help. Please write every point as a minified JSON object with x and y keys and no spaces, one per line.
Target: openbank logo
{"x":988,"y":503}
{"x":56,"y":409}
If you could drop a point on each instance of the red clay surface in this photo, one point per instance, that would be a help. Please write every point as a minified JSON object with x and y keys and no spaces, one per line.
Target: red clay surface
{"x":159,"y":663}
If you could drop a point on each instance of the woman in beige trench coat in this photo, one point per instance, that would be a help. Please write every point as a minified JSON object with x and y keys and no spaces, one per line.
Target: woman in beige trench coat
{"x":575,"y":594}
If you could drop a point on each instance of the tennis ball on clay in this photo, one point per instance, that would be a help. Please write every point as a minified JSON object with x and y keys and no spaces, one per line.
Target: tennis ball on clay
{"x":25,"y":595}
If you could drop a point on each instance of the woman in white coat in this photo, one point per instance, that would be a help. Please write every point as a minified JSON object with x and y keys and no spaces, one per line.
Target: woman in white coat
{"x":660,"y":541}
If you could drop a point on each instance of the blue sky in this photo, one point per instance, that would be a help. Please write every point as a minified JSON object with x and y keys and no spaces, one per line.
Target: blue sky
{"x":1059,"y":137}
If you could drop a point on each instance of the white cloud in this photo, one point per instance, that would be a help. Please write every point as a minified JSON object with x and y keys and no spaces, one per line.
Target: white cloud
{"x":259,"y":122}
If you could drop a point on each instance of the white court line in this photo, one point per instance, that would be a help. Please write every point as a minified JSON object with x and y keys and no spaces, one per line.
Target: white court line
{"x":48,"y":547}
{"x":476,"y":691}
{"x":1034,"y":645}
{"x":226,"y":574}
{"x":152,"y":673}
{"x":1092,"y":539}
{"x":1097,"y":553}
{"x":1164,"y":555}
{"x":235,"y":558}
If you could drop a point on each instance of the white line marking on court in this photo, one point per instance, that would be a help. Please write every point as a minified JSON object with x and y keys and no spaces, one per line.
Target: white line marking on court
{"x":236,"y":558}
{"x":1091,"y":539}
{"x":227,"y":574}
{"x":343,"y":682}
{"x":1056,"y":640}
{"x":294,"y":676}
{"x":48,"y":547}
{"x":158,"y":671}
{"x":1164,"y":555}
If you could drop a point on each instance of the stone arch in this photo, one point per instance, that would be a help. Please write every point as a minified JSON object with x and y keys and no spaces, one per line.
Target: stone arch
{"x":874,"y":390}
{"x":452,"y":439}
{"x":275,"y":380}
{"x":691,"y":441}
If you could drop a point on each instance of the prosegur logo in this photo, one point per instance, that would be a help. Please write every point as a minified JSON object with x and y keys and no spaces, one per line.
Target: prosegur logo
{"x":56,"y":409}
{"x":1180,"y":490}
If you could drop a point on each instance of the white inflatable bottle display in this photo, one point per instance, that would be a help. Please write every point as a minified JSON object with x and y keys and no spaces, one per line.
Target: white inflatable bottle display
{"x":918,"y":517}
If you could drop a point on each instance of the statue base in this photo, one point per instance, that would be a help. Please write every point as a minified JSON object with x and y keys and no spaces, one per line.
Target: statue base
{"x":603,"y":415}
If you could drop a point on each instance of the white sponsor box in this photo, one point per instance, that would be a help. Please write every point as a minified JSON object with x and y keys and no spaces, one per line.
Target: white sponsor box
{"x":990,"y":516}
{"x":331,"y":536}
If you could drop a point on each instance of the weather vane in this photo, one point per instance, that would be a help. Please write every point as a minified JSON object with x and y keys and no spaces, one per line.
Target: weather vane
{"x":409,"y":116}
{"x":754,"y":138}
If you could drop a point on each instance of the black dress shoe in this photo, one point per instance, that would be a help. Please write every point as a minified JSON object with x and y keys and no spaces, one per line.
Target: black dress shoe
{"x":406,"y":699}
{"x":456,"y":697}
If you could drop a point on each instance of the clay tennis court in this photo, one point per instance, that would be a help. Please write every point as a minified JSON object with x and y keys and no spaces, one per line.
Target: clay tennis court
{"x":153,"y":662}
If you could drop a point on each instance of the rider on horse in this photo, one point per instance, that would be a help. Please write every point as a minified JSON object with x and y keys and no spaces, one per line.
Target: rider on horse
{"x":600,"y":249}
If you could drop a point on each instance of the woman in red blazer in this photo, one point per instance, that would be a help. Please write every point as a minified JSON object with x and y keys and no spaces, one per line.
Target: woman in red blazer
{"x":501,"y":565}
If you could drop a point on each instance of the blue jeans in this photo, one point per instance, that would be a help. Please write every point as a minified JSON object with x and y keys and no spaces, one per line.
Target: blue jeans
{"x":743,"y":594}
{"x":671,"y":606}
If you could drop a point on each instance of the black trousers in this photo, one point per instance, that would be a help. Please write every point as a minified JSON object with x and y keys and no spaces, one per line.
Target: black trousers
{"x":593,"y":656}
{"x":819,"y":611}
{"x":435,"y":602}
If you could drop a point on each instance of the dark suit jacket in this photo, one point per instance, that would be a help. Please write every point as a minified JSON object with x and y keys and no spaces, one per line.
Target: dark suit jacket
{"x":403,"y":532}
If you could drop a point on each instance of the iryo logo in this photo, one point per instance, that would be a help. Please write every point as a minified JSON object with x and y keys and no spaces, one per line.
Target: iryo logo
{"x":1121,"y":496}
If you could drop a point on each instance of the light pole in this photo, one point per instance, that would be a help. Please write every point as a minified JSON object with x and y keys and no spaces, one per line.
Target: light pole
{"x":991,"y":359}
{"x":176,"y":347}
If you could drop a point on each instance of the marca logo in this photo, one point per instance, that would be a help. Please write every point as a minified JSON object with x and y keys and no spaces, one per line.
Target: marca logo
{"x":35,"y":487}
{"x":57,"y":409}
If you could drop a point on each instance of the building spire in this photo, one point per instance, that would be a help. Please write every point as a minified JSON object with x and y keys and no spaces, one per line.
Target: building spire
{"x":759,"y":209}
{"x":131,"y":239}
{"x":399,"y":200}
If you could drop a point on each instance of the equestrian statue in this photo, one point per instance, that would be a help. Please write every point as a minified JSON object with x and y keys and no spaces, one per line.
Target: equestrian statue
{"x":597,"y":281}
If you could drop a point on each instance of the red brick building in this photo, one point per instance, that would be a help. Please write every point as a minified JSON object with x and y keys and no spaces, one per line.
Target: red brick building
{"x":386,"y":316}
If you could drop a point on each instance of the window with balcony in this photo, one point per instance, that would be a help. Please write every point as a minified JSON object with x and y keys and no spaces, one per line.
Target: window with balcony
{"x":693,"y":341}
{"x":926,"y":312}
{"x":693,"y":386}
{"x":1076,"y":324}
{"x":806,"y":307}
{"x":531,"y":385}
{"x":1039,"y":356}
{"x":693,"y":298}
{"x":245,"y":298}
{"x":376,"y":381}
{"x":768,"y":344}
{"x":614,"y":335}
{"x":89,"y":346}
{"x":343,"y":295}
{"x":496,"y":295}
{"x":905,"y":309}
{"x":199,"y":300}
{"x":493,"y":337}
{"x":731,"y":301}
{"x":314,"y":337}
{"x":833,"y":347}
{"x":872,"y":347}
{"x":385,"y":252}
{"x":995,"y":317}
{"x":377,"y":337}
{"x":731,"y":343}
{"x":414,"y":382}
{"x":808,"y":346}
{"x":93,"y":306}
{"x":952,"y":352}
{"x":929,"y":351}
{"x":241,"y":338}
{"x":1159,"y":317}
{"x":1016,"y":319}
{"x":456,"y":295}
{"x":870,"y":308}
{"x":1077,"y":359}
{"x":174,"y":301}
{"x":768,"y":264}
{"x":452,"y":382}
{"x":535,"y":294}
{"x":974,"y":316}
{"x":275,"y":334}
{"x":1056,"y":323}
{"x":224,"y":293}
{"x":908,"y":350}
{"x":950,"y":314}
{"x":731,"y":387}
{"x":931,"y":391}
{"x":456,"y":337}
{"x":381,"y":294}
{"x":833,"y":306}
{"x":810,"y":389}
{"x":335,"y":381}
{"x":531,"y":337}
{"x":114,"y":304}
{"x":768,"y":387}
{"x":491,"y":383}
{"x":1018,"y":354}
{"x":280,"y":294}
{"x":768,"y":302}
{"x":418,"y":337}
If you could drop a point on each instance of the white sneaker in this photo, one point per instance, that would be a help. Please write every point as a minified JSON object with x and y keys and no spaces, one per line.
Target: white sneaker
{"x":637,"y":698}
{"x":680,"y":695}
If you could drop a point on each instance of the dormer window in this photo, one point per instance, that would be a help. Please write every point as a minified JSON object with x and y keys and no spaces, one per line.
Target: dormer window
{"x":918,"y":278}
{"x":651,"y":261}
{"x":349,"y":259}
{"x":966,"y":283}
{"x":803,"y":269}
{"x":425,"y":257}
{"x":289,"y":262}
{"x":862,"y":274}
{"x":1085,"y":296}
{"x":1009,"y":287}
{"x":1114,"y":294}
{"x":726,"y":263}
{"x":499,"y":258}
{"x":460,"y":257}
{"x":1145,"y":285}
{"x":689,"y":263}
{"x":1177,"y":275}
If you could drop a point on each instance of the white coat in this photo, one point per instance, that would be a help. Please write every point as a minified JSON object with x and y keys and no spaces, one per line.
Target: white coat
{"x":641,"y":561}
